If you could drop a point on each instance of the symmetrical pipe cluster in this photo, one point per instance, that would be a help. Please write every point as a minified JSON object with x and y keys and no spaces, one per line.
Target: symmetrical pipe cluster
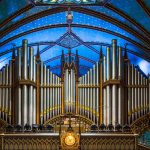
{"x":124,"y":90}
{"x":113,"y":91}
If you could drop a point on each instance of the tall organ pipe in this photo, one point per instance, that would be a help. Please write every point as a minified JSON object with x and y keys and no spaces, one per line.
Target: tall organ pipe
{"x":42,"y":93}
{"x":54,"y":97}
{"x":104,"y":92}
{"x":91,"y":95}
{"x":44,"y":100}
{"x":108,"y":87}
{"x":6,"y":100}
{"x":25,"y":91}
{"x":10,"y":91}
{"x":94,"y":97}
{"x":85,"y":95}
{"x":47,"y":98}
{"x":97,"y":92}
{"x":88,"y":94}
{"x":133,"y":95}
{"x":19,"y":87}
{"x":138,"y":91}
{"x":146,"y":100}
{"x":30,"y":87}
{"x":84,"y":104}
{"x":144,"y":96}
{"x":120,"y":100}
{"x":142,"y":102}
{"x":136,"y":95}
{"x":34,"y":91}
{"x":3,"y":99}
{"x":114,"y":87}
{"x":51,"y":96}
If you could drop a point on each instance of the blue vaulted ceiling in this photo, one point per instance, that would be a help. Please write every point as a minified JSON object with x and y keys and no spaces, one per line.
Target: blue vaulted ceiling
{"x":127,"y":21}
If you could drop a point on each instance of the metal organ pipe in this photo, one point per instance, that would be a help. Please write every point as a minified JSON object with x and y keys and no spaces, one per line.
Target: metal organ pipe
{"x":84,"y":102}
{"x":51,"y":96}
{"x":142,"y":95}
{"x":94,"y":97}
{"x":25,"y":91}
{"x":3,"y":99}
{"x":108,"y":87}
{"x":104,"y":92}
{"x":54,"y":97}
{"x":34,"y":91}
{"x":85,"y":95}
{"x":135,"y":100}
{"x":97,"y":92}
{"x":114,"y":87}
{"x":6,"y":100}
{"x":10,"y":97}
{"x":138,"y":91}
{"x":44,"y":96}
{"x":30,"y":87}
{"x":42,"y":93}
{"x":47,"y":91}
{"x":146,"y":100}
{"x":19,"y":110}
{"x":91,"y":95}
{"x":88,"y":94}
{"x":120,"y":100}
{"x":133,"y":96}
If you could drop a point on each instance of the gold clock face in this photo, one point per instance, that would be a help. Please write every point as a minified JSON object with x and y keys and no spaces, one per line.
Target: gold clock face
{"x":70,"y":140}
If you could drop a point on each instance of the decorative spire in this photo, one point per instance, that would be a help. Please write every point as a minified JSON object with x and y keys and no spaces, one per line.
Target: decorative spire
{"x":101,"y":54}
{"x":38,"y":58}
{"x":69,"y":52}
{"x":125,"y":52}
{"x":77,"y":56}
{"x":13,"y":51}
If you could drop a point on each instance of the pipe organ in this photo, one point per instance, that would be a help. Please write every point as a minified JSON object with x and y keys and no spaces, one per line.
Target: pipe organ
{"x":113,"y":91}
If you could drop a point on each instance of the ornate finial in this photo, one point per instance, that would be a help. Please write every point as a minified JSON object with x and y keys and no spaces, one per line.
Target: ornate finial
{"x":38,"y":58}
{"x":62,"y":56}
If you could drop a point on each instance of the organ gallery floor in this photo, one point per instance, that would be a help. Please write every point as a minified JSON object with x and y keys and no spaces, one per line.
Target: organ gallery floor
{"x":74,"y":75}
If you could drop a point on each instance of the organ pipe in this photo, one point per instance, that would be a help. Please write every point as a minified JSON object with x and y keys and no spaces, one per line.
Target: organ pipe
{"x":28,"y":87}
{"x":25,"y":91}
{"x":120,"y":100}
{"x":104,"y":92}
{"x":114,"y":87}
{"x":108,"y":87}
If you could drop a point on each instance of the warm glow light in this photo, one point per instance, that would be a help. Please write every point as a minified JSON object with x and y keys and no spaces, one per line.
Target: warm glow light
{"x":70,"y":140}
